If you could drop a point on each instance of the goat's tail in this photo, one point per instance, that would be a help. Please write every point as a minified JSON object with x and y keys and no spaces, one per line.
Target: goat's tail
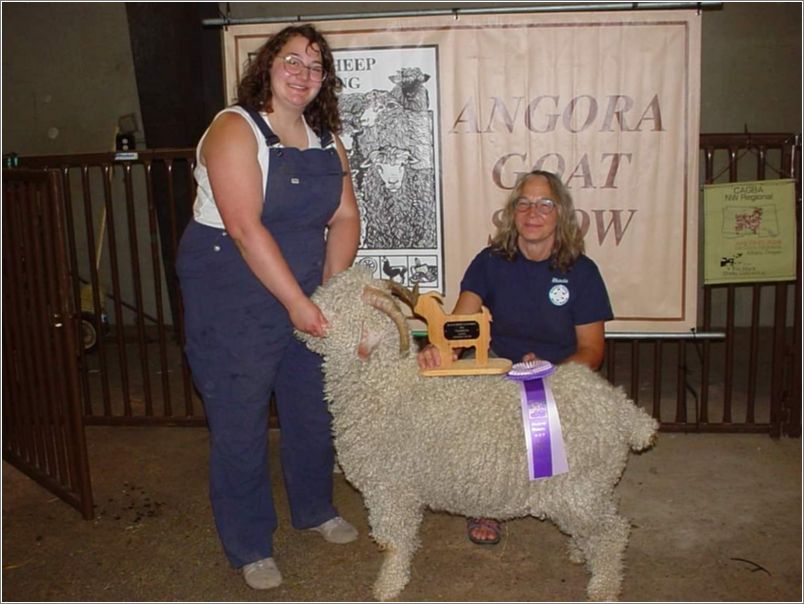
{"x":643,"y":429}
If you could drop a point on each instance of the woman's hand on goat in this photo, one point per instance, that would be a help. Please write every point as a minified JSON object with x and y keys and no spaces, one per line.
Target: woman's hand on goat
{"x":430,"y":358}
{"x":307,"y":317}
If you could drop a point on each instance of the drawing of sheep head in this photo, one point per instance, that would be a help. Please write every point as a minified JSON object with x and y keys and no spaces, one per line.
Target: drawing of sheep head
{"x":409,"y":77}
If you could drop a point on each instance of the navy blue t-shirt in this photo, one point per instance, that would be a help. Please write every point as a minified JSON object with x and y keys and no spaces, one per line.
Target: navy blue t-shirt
{"x":535,"y":308}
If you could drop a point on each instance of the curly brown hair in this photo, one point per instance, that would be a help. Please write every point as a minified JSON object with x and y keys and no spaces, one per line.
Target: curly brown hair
{"x":254,"y":89}
{"x":569,"y":239}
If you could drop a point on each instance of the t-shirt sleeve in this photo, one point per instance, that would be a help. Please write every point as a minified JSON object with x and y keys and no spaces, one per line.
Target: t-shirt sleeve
{"x":593,"y":298}
{"x":475,"y":278}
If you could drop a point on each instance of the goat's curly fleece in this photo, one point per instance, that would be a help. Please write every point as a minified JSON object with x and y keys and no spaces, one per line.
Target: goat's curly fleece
{"x":408,"y":442}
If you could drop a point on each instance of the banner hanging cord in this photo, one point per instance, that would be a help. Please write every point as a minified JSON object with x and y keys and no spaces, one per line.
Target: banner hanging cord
{"x":226,"y":20}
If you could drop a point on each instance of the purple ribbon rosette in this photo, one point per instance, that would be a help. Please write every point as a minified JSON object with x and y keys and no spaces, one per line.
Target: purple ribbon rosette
{"x":545,"y":443}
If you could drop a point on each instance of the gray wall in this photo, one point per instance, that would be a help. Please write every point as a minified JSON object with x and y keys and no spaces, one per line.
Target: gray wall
{"x":68,"y":67}
{"x":68,"y":75}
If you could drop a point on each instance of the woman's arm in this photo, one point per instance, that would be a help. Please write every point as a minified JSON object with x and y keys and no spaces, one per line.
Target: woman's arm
{"x":344,"y":227}
{"x":230,"y":155}
{"x":591,"y":345}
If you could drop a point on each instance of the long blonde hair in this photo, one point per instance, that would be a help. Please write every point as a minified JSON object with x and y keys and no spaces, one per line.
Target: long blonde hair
{"x":568,"y":243}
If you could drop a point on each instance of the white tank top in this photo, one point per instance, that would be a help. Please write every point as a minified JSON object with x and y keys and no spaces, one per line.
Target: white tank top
{"x":205,"y":210}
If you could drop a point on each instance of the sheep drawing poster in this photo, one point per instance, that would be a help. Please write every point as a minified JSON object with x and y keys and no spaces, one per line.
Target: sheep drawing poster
{"x":389,"y":108}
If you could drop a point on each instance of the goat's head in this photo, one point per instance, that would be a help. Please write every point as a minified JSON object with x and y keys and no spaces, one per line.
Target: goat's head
{"x":350,"y":301}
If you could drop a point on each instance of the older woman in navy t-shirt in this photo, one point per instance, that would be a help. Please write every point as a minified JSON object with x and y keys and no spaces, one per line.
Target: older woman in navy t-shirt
{"x":547,"y":299}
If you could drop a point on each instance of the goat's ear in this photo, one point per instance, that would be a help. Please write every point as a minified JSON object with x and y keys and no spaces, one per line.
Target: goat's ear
{"x":368,"y":342}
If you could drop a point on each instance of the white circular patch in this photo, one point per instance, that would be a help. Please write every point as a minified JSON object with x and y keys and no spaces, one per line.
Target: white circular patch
{"x":559,"y":295}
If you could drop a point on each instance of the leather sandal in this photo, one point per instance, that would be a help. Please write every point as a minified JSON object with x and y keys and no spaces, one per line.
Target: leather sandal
{"x":487,"y":523}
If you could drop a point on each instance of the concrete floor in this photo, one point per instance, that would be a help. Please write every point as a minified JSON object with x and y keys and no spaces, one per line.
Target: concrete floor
{"x":715,"y":517}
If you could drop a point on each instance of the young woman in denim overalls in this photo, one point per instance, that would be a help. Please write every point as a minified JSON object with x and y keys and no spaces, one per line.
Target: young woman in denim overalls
{"x":275,"y":215}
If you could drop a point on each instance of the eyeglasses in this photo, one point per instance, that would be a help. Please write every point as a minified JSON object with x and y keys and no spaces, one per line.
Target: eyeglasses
{"x":543,"y":206}
{"x":294,"y":66}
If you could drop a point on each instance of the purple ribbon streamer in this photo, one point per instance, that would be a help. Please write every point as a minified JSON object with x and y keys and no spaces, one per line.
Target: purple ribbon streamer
{"x":534,"y":409}
{"x":545,"y":443}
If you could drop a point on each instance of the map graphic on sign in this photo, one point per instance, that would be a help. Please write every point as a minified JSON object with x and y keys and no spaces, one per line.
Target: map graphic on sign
{"x":755,"y":221}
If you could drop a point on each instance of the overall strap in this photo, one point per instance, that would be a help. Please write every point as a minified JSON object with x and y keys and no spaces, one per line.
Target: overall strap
{"x":271,"y":139}
{"x":326,"y":138}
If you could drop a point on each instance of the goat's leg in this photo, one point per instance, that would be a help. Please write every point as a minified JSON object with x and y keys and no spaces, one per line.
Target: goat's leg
{"x":600,"y":535}
{"x":604,"y":557}
{"x":395,"y":521}
{"x":575,"y":548}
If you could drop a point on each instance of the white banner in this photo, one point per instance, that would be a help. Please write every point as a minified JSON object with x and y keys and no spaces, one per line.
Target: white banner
{"x":441,"y":114}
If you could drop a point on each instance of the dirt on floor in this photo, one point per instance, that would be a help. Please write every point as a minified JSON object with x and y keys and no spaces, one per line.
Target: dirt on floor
{"x":715,"y":518}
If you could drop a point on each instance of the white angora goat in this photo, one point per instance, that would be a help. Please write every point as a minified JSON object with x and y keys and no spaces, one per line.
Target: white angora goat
{"x":409,"y":442}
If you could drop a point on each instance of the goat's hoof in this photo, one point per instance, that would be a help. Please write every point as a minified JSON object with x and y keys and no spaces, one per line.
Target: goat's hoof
{"x":386,"y":595}
{"x":576,"y":556}
{"x":602,"y":594}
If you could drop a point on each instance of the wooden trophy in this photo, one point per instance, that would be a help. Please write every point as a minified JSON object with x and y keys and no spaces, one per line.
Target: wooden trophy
{"x":448,"y":332}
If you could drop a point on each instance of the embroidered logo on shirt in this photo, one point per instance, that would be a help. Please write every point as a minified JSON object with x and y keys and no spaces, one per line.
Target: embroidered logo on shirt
{"x":559,"y":295}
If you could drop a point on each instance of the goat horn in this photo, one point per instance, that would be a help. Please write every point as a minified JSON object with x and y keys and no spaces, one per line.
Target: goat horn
{"x":380,"y":300}
{"x":408,"y":297}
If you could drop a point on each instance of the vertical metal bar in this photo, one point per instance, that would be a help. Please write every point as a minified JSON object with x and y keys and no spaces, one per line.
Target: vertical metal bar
{"x":761,"y":159}
{"x":728,"y":372}
{"x":76,"y":281}
{"x":709,"y":165}
{"x":137,"y":282}
{"x":793,"y":427}
{"x":733,"y":159}
{"x":753,"y":358}
{"x":791,"y":168}
{"x":41,"y":325}
{"x":188,"y":388}
{"x":635,"y":371}
{"x":657,"y":380}
{"x":76,"y":448}
{"x":58,"y":323}
{"x":10,"y":424}
{"x":681,"y":391}
{"x":157,"y":271}
{"x":777,"y":367}
{"x":15,"y":200}
{"x":94,"y":278}
{"x":703,"y":414}
{"x":192,"y":186}
{"x":118,"y":308}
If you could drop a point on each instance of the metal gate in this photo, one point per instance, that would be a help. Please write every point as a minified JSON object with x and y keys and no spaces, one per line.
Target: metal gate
{"x":43,"y":429}
{"x":748,"y":379}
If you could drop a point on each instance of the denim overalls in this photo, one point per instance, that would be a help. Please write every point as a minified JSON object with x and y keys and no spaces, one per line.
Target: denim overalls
{"x":240,"y":347}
